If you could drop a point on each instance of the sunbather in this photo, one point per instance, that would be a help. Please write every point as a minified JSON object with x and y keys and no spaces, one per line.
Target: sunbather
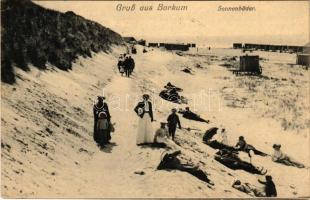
{"x":279,"y":157}
{"x":171,"y":162}
{"x":231,"y":160}
{"x":188,"y":114}
{"x":248,"y":188}
{"x":243,"y":146}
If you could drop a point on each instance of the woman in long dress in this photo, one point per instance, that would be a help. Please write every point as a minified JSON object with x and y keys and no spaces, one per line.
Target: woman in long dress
{"x":100,"y":106}
{"x":144,"y":111}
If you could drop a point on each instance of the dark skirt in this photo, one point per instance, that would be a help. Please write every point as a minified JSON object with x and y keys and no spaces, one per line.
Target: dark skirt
{"x":103,"y":137}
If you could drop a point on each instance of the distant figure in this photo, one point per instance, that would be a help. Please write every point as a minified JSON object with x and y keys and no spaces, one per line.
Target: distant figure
{"x":161,"y":138}
{"x":270,"y":187}
{"x":103,"y":129}
{"x":280,"y":157}
{"x":173,"y":120}
{"x":145,"y":113}
{"x":188,"y":114}
{"x":248,"y":189}
{"x":134,"y":51}
{"x":131,"y":65}
{"x":99,"y":107}
{"x":243,"y":146}
{"x":120,"y":64}
{"x":127,"y":65}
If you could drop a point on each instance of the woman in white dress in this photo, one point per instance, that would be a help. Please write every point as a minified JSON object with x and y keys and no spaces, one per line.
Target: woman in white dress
{"x":144,"y":111}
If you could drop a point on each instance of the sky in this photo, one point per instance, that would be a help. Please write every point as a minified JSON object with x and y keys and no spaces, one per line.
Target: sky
{"x":284,"y":22}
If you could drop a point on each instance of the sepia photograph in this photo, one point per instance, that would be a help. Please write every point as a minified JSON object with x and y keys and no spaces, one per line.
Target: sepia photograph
{"x":155,"y":99}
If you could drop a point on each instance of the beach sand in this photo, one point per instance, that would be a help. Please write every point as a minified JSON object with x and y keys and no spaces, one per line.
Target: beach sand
{"x":46,"y":126}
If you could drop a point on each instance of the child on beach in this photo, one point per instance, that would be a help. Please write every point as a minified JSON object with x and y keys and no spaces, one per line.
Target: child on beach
{"x":103,"y":129}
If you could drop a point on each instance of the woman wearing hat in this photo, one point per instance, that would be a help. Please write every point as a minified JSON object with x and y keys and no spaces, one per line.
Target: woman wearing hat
{"x":99,"y":107}
{"x":280,"y":157}
{"x":145,"y":113}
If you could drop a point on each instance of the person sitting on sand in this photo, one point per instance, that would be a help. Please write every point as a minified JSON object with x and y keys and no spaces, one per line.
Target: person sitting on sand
{"x":243,"y":146}
{"x":223,"y":137}
{"x":248,"y":188}
{"x":171,"y":161}
{"x":270,"y":187}
{"x":161,"y":138}
{"x":231,"y":160}
{"x":279,"y":157}
{"x":188,"y":114}
{"x":208,"y":139}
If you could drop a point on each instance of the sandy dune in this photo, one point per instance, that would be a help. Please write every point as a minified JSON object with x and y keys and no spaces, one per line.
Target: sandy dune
{"x":47,"y":145}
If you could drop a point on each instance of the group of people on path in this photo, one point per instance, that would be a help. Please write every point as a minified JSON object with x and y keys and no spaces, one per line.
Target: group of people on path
{"x":126,"y":64}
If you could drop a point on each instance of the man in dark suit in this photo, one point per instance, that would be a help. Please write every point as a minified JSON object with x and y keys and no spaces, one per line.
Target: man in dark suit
{"x":173,"y":120}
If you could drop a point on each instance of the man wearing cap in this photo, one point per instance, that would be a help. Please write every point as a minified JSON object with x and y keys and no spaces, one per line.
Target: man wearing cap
{"x":173,"y":120}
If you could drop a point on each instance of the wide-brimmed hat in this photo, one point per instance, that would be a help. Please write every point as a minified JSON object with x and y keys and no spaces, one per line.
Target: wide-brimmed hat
{"x":241,"y":138}
{"x":101,"y":97}
{"x":276,"y":146}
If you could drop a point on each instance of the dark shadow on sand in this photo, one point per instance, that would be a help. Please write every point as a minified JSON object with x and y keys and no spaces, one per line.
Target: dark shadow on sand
{"x":108,"y":147}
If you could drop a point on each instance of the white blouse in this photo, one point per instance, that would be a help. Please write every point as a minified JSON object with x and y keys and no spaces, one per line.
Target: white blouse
{"x":146,"y":106}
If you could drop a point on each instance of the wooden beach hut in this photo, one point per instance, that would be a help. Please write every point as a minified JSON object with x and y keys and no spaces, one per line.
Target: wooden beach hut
{"x":249,"y":65}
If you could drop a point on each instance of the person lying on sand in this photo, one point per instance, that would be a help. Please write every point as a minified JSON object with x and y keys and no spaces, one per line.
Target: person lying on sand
{"x":248,"y":189}
{"x":188,"y":114}
{"x":170,"y":86}
{"x":171,"y":161}
{"x":231,"y":160}
{"x":243,"y":146}
{"x":279,"y":157}
{"x":171,"y":95}
{"x":161,"y":138}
